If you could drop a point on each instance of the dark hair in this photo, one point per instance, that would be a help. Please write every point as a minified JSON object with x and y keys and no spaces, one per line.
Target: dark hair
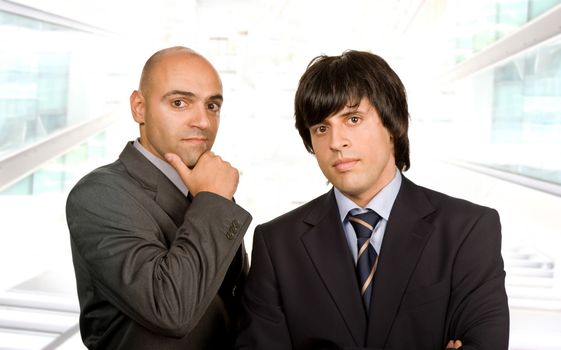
{"x":332,"y":82}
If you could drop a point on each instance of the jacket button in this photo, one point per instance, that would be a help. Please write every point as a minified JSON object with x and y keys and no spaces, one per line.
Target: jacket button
{"x":233,"y":230}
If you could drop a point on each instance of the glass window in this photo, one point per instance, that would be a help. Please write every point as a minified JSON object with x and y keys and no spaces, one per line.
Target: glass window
{"x":475,"y":25}
{"x":55,"y":83}
{"x":61,"y":173}
{"x":513,"y":115}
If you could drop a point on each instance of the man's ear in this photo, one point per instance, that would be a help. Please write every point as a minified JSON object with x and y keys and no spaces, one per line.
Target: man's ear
{"x":137,"y":106}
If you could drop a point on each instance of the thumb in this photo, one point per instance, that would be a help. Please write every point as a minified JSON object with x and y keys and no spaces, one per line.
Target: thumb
{"x":175,"y":161}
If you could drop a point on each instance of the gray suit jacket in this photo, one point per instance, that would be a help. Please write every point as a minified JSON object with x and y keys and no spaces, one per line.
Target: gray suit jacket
{"x":153,"y":269}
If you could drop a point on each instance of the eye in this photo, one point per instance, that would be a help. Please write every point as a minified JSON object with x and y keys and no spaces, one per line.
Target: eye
{"x":178,"y":103}
{"x":213,"y":106}
{"x":353,"y":119}
{"x":320,"y":129}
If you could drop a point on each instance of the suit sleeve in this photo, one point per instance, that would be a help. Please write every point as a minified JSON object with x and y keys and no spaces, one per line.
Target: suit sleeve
{"x":263,"y":320}
{"x":479,"y":308}
{"x":164,"y":287}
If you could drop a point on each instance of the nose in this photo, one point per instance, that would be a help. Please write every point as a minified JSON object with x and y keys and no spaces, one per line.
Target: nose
{"x":200,"y":118}
{"x":339,"y":139}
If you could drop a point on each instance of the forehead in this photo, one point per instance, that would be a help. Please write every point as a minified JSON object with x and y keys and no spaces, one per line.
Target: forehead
{"x":185,"y":72}
{"x":353,"y":106}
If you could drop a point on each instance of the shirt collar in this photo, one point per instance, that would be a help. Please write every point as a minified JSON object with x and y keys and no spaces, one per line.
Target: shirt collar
{"x":382,"y":202}
{"x":163,"y":166}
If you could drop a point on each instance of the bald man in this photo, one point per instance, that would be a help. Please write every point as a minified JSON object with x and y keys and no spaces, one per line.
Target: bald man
{"x":156,"y":236}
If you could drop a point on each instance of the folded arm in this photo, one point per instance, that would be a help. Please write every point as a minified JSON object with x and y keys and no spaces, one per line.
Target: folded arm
{"x":479,"y":314}
{"x":164,"y":287}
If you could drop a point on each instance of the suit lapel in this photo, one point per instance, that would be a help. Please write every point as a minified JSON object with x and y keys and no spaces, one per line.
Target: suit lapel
{"x":171,"y":200}
{"x":327,"y":247}
{"x":167,"y":196}
{"x":404,"y":240}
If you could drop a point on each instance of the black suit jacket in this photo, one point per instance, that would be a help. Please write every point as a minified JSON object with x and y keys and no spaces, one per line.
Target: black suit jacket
{"x":153,"y":270}
{"x":440,"y":276}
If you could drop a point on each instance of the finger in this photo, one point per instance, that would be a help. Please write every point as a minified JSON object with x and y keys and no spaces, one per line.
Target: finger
{"x":175,"y":161}
{"x":209,"y":154}
{"x":206,"y":157}
{"x":454,"y":344}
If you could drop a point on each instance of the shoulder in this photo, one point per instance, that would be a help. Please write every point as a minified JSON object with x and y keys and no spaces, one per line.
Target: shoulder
{"x":298,"y":219}
{"x":110,"y":181}
{"x":446,"y":207}
{"x":109,"y":175}
{"x":130,"y":169}
{"x":452,"y":204}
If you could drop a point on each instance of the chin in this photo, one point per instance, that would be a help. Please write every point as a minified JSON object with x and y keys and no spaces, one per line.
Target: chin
{"x":191,"y":160}
{"x":350,"y":189}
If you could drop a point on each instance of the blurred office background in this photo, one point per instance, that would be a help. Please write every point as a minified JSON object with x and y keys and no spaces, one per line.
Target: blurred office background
{"x":484,"y":85}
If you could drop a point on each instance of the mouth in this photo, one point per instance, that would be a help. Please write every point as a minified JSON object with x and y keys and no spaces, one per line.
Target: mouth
{"x":344,"y":164}
{"x":194,"y":140}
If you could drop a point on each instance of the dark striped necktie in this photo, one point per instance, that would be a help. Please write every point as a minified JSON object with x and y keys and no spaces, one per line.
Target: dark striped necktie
{"x":367,"y":258}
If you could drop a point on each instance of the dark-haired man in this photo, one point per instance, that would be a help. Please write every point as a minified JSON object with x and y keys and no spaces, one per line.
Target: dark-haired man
{"x":377,"y":262}
{"x":156,"y":237}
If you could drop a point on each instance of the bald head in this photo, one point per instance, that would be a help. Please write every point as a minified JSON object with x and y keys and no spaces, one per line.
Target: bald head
{"x":159,"y":57}
{"x":177,"y":105}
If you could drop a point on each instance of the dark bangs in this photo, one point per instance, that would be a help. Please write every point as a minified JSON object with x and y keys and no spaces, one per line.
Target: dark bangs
{"x":324,"y":89}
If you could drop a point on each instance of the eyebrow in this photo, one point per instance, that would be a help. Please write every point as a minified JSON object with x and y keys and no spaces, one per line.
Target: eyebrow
{"x":352,"y":110}
{"x":191,"y":95}
{"x":349,"y":111}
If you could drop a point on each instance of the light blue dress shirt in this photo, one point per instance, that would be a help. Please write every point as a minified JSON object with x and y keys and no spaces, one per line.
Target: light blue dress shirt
{"x":382,"y":204}
{"x":164,"y":167}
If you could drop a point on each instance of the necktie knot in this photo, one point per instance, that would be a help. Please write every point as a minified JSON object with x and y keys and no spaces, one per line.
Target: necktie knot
{"x":364,"y":223}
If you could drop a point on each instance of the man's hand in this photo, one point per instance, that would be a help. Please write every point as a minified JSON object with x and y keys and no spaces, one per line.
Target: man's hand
{"x":454,"y":344}
{"x":210,"y":174}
